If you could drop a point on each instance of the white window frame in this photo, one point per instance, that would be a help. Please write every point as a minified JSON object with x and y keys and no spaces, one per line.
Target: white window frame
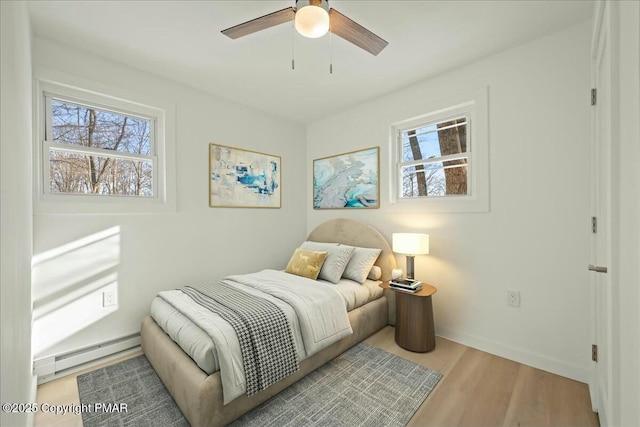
{"x":474,"y":107}
{"x":436,"y":119}
{"x":50,"y":145}
{"x":161,"y":117}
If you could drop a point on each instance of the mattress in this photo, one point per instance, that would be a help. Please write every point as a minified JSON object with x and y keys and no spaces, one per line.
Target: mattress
{"x":199,"y":346}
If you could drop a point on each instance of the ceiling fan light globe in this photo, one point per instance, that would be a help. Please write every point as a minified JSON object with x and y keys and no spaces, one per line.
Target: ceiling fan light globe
{"x":312,"y":21}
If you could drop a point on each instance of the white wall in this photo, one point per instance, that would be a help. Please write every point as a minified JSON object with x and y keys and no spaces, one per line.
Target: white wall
{"x":15,"y":211}
{"x":535,"y":239}
{"x":149,"y":252}
{"x":626,"y":217}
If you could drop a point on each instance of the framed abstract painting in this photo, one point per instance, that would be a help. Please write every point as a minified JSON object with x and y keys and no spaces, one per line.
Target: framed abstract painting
{"x":243,"y":179}
{"x":347,"y":181}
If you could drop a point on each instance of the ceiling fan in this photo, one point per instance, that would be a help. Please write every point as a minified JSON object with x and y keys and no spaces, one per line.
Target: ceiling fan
{"x":313,"y":18}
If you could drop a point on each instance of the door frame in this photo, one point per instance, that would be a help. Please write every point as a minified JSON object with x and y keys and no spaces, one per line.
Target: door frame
{"x":604,"y":26}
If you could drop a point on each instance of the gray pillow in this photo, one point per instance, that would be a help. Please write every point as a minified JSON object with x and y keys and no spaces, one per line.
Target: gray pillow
{"x":337,"y":259}
{"x":360,"y":263}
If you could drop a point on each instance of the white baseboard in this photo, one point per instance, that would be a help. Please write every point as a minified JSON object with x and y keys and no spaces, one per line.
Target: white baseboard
{"x":55,"y":366}
{"x":87,"y":365}
{"x":519,"y":355}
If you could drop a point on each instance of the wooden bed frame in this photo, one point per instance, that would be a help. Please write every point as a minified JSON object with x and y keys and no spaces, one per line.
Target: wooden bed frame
{"x":199,"y":395}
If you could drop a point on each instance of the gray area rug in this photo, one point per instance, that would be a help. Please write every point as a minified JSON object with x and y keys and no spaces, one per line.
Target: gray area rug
{"x":134,"y":383}
{"x":365,"y":386}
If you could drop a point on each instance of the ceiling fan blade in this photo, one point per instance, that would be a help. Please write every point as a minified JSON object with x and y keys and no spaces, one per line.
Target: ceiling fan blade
{"x":355,"y":33}
{"x":261,"y":23}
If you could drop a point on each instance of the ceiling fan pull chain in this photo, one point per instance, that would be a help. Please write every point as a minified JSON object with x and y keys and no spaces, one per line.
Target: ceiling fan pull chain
{"x":330,"y":50}
{"x":293,"y":50}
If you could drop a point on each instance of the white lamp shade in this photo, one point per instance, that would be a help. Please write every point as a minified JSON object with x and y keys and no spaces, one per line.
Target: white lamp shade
{"x":411,"y":243}
{"x":312,"y":21}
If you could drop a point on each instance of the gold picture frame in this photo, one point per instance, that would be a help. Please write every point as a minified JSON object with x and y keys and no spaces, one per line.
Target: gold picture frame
{"x":348,"y":180}
{"x":240,"y":178}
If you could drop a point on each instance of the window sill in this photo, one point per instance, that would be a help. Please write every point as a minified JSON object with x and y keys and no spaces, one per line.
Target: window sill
{"x":441,"y":205}
{"x":99,"y":205}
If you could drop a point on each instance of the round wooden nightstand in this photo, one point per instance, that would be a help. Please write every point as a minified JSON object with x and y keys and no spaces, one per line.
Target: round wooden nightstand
{"x":415,"y":330}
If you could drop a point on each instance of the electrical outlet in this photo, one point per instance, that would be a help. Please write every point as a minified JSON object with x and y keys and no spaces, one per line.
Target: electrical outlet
{"x":513,"y":298}
{"x":108,"y":298}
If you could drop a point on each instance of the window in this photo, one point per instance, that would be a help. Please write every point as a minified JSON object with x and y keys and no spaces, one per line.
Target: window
{"x":95,"y":151}
{"x":434,"y":159}
{"x":440,"y":160}
{"x":102,"y":154}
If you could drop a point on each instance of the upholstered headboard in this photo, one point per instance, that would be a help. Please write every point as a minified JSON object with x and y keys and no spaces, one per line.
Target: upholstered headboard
{"x":356,"y":233}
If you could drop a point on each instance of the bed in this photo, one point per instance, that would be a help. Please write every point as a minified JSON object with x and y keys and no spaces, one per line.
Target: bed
{"x":200,"y":395}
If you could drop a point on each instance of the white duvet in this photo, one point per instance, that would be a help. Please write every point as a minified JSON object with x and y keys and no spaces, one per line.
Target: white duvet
{"x":316,"y":312}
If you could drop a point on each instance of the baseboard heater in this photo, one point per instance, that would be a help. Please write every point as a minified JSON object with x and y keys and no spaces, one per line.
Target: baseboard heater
{"x":52,"y":367}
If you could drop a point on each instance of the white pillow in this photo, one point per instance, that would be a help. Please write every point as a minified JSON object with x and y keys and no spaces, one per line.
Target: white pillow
{"x":360,"y":263}
{"x":375,"y":273}
{"x":319,"y":244}
{"x":337,"y":259}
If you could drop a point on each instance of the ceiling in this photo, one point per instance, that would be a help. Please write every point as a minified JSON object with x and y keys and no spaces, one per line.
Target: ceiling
{"x":181,"y":41}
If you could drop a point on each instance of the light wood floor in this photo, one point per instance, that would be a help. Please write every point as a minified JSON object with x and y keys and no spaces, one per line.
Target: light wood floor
{"x":64,"y":391}
{"x":477,"y":389}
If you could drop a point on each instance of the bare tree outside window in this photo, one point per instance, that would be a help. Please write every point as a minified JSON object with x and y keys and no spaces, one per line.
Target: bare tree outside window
{"x":453,"y":140}
{"x":434,"y":159}
{"x":101,"y":152}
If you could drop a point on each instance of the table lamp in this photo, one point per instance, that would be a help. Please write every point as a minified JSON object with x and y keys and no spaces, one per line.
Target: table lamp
{"x":410,"y":244}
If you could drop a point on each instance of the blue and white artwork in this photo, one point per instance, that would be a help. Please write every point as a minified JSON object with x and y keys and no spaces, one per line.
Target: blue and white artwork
{"x":242,"y":178}
{"x":347,"y":180}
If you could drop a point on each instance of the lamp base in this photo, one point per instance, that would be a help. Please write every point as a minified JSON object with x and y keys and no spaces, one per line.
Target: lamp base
{"x":410,"y":259}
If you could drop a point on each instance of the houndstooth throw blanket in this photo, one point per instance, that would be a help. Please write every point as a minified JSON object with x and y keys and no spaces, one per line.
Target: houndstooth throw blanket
{"x":266,"y":339}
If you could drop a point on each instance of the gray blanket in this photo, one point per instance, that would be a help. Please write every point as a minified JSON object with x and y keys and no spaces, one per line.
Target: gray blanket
{"x":265,"y":337}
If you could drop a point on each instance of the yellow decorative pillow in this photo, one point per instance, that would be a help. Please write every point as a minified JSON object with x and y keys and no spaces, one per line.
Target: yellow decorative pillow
{"x":306,"y":263}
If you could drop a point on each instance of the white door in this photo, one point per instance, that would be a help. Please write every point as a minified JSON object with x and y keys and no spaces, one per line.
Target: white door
{"x":601,"y":384}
